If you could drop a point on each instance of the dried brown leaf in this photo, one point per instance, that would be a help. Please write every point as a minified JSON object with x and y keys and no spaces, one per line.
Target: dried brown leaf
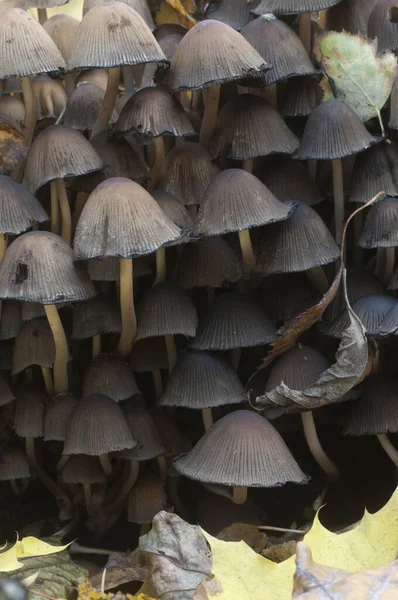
{"x":250,"y":534}
{"x":207,"y":589}
{"x":13,"y":145}
{"x":120,"y":569}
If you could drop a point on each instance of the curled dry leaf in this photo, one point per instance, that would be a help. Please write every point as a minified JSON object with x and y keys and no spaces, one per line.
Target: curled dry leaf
{"x":120,"y":569}
{"x":176,"y":11}
{"x":177,"y":557}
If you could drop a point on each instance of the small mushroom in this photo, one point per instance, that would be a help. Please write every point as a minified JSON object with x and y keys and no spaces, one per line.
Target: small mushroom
{"x":150,"y":355}
{"x":146,"y":499}
{"x":13,"y":466}
{"x":111,"y":376}
{"x":95,"y":317}
{"x":382,"y":27}
{"x":85,"y":471}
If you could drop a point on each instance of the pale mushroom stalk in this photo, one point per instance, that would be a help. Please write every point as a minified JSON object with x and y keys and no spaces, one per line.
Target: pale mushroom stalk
{"x":247,"y":165}
{"x":160,"y":266}
{"x":160,"y":153}
{"x":338,"y":193}
{"x":388,"y":448}
{"x":29,"y":99}
{"x":102,"y":121}
{"x":128,"y":78}
{"x":171,"y":351}
{"x":96,"y":343}
{"x":318,"y":278}
{"x":3,"y":245}
{"x":157,"y":382}
{"x":61,"y":349}
{"x":305,"y":32}
{"x":315,"y":447}
{"x":106,"y":464}
{"x":66,"y":218}
{"x":129,"y":320}
{"x":70,"y":83}
{"x":62,"y":462}
{"x":211,"y":98}
{"x":126,"y":487}
{"x":42,"y":14}
{"x":48,"y":380}
{"x":239,"y":495}
{"x":270,"y":93}
{"x":207,"y":417}
{"x":249,"y":260}
{"x":54,"y":208}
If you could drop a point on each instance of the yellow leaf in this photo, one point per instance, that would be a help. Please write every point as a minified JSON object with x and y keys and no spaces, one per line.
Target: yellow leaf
{"x":25,"y":548}
{"x":176,"y":11}
{"x":9,"y":561}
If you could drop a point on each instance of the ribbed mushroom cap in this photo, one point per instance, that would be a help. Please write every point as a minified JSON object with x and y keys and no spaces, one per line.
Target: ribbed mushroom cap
{"x":242,"y":449}
{"x":62,"y":29}
{"x":176,"y":212}
{"x":84,"y":105}
{"x":285,"y":296}
{"x":96,"y":76}
{"x":120,"y":218}
{"x":359,"y":283}
{"x":382,"y":25}
{"x":19,"y":209}
{"x":34,"y":345}
{"x":38,"y":267}
{"x":29,"y":414}
{"x":151,"y":112}
{"x":14,"y":108}
{"x":203,"y":380}
{"x":100,"y":314}
{"x":333,"y":131}
{"x":237,"y":200}
{"x":280,"y":47}
{"x":59,"y":152}
{"x":143,"y":429}
{"x":14,"y":464}
{"x":371,"y":310}
{"x":25,"y":47}
{"x":208,"y":263}
{"x":97,"y":426}
{"x":113,"y":34}
{"x":146,"y":499}
{"x":111,"y":376}
{"x":298,"y":368}
{"x":250,"y":126}
{"x":292,"y":7}
{"x":301,"y":96}
{"x":212,"y":53}
{"x":381,"y":225}
{"x":6,"y":395}
{"x":351,"y":16}
{"x":376,"y":411}
{"x":300,"y":243}
{"x":374,"y":171}
{"x":166,"y":309}
{"x":149,"y":354}
{"x":393,"y":122}
{"x":290,"y":180}
{"x":233,"y":321}
{"x":234,"y":13}
{"x":11,"y":319}
{"x":44,"y":3}
{"x":141,"y":6}
{"x":83,"y":469}
{"x":58,"y":413}
{"x":187,"y":172}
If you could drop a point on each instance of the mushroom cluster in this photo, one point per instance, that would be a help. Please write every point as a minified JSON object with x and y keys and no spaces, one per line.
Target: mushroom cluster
{"x":178,"y":196}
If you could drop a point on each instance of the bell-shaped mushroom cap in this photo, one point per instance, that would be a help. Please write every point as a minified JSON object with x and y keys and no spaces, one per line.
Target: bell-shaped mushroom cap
{"x":375,"y":170}
{"x":28,"y":50}
{"x":38,"y":267}
{"x":237,"y":200}
{"x":212,"y":53}
{"x":292,"y":7}
{"x":376,"y":411}
{"x":11,"y":319}
{"x":83,"y":107}
{"x":96,"y":76}
{"x":13,"y":107}
{"x":250,"y":126}
{"x":301,"y":96}
{"x":351,"y":16}
{"x":290,"y":180}
{"x":19,"y":209}
{"x":57,"y":416}
{"x":382,"y":25}
{"x":62,"y":29}
{"x":300,"y":243}
{"x":149,"y":354}
{"x":298,"y":368}
{"x":86,"y":470}
{"x":176,"y":212}
{"x":14,"y":463}
{"x":285,"y":296}
{"x":59,"y":152}
{"x":141,"y":6}
{"x":6,"y":395}
{"x":203,"y":380}
{"x":233,"y":321}
{"x":143,"y":429}
{"x":187,"y":172}
{"x":151,"y":112}
{"x":371,"y":311}
{"x":34,"y":345}
{"x":100,"y":314}
{"x":120,"y":218}
{"x":29,"y":414}
{"x":166,"y":309}
{"x":146,"y":499}
{"x":208,"y":263}
{"x":51,"y":97}
{"x":111,"y":376}
{"x":234,"y":13}
{"x":280,"y":47}
{"x":333,"y":131}
{"x":113,"y":34}
{"x":97,"y":426}
{"x":380,"y":230}
{"x":242,"y":449}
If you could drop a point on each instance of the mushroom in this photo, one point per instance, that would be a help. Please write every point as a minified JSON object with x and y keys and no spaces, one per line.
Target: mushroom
{"x":145,"y":500}
{"x":11,"y":319}
{"x":57,"y":415}
{"x":95,"y":317}
{"x":289,"y":180}
{"x":234,"y":13}
{"x":14,"y":108}
{"x":360,"y":283}
{"x":202,"y":381}
{"x":50,"y":96}
{"x":382,"y":26}
{"x":300,"y":97}
{"x":111,"y":376}
{"x":150,"y":355}
{"x":85,"y":471}
{"x":84,"y":106}
{"x":286,"y":295}
{"x":350,"y":15}
{"x":241,"y":450}
{"x":141,"y":6}
{"x":392,"y":123}
{"x":375,"y":170}
{"x":6,"y":395}
{"x":62,"y":29}
{"x":13,"y":465}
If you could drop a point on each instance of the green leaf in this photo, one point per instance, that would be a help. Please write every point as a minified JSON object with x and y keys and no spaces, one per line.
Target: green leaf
{"x":358,"y":76}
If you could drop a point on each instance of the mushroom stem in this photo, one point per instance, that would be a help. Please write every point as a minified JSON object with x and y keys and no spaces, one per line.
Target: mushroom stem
{"x":211,"y":99}
{"x":129,"y":321}
{"x":14,"y":487}
{"x":106,"y":464}
{"x":126,"y":487}
{"x":239,"y":495}
{"x":88,"y":498}
{"x":305,"y":33}
{"x":270,"y":93}
{"x":54,"y":208}
{"x":66,"y":217}
{"x":145,"y":528}
{"x":193,"y":210}
{"x":42,"y":14}
{"x":171,"y":351}
{"x":388,"y":447}
{"x":48,"y":380}
{"x":29,"y":99}
{"x":315,"y":447}
{"x":128,"y":78}
{"x":160,"y":153}
{"x":61,"y":349}
{"x":160,"y":265}
{"x":338,"y":193}
{"x":96,"y":342}
{"x":249,"y":259}
{"x":157,"y":382}
{"x":70,"y":83}
{"x":3,"y":245}
{"x":102,"y":121}
{"x":62,"y":462}
{"x":318,"y":279}
{"x":162,"y":467}
{"x":247,"y":165}
{"x":389,"y":263}
{"x":207,"y":417}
